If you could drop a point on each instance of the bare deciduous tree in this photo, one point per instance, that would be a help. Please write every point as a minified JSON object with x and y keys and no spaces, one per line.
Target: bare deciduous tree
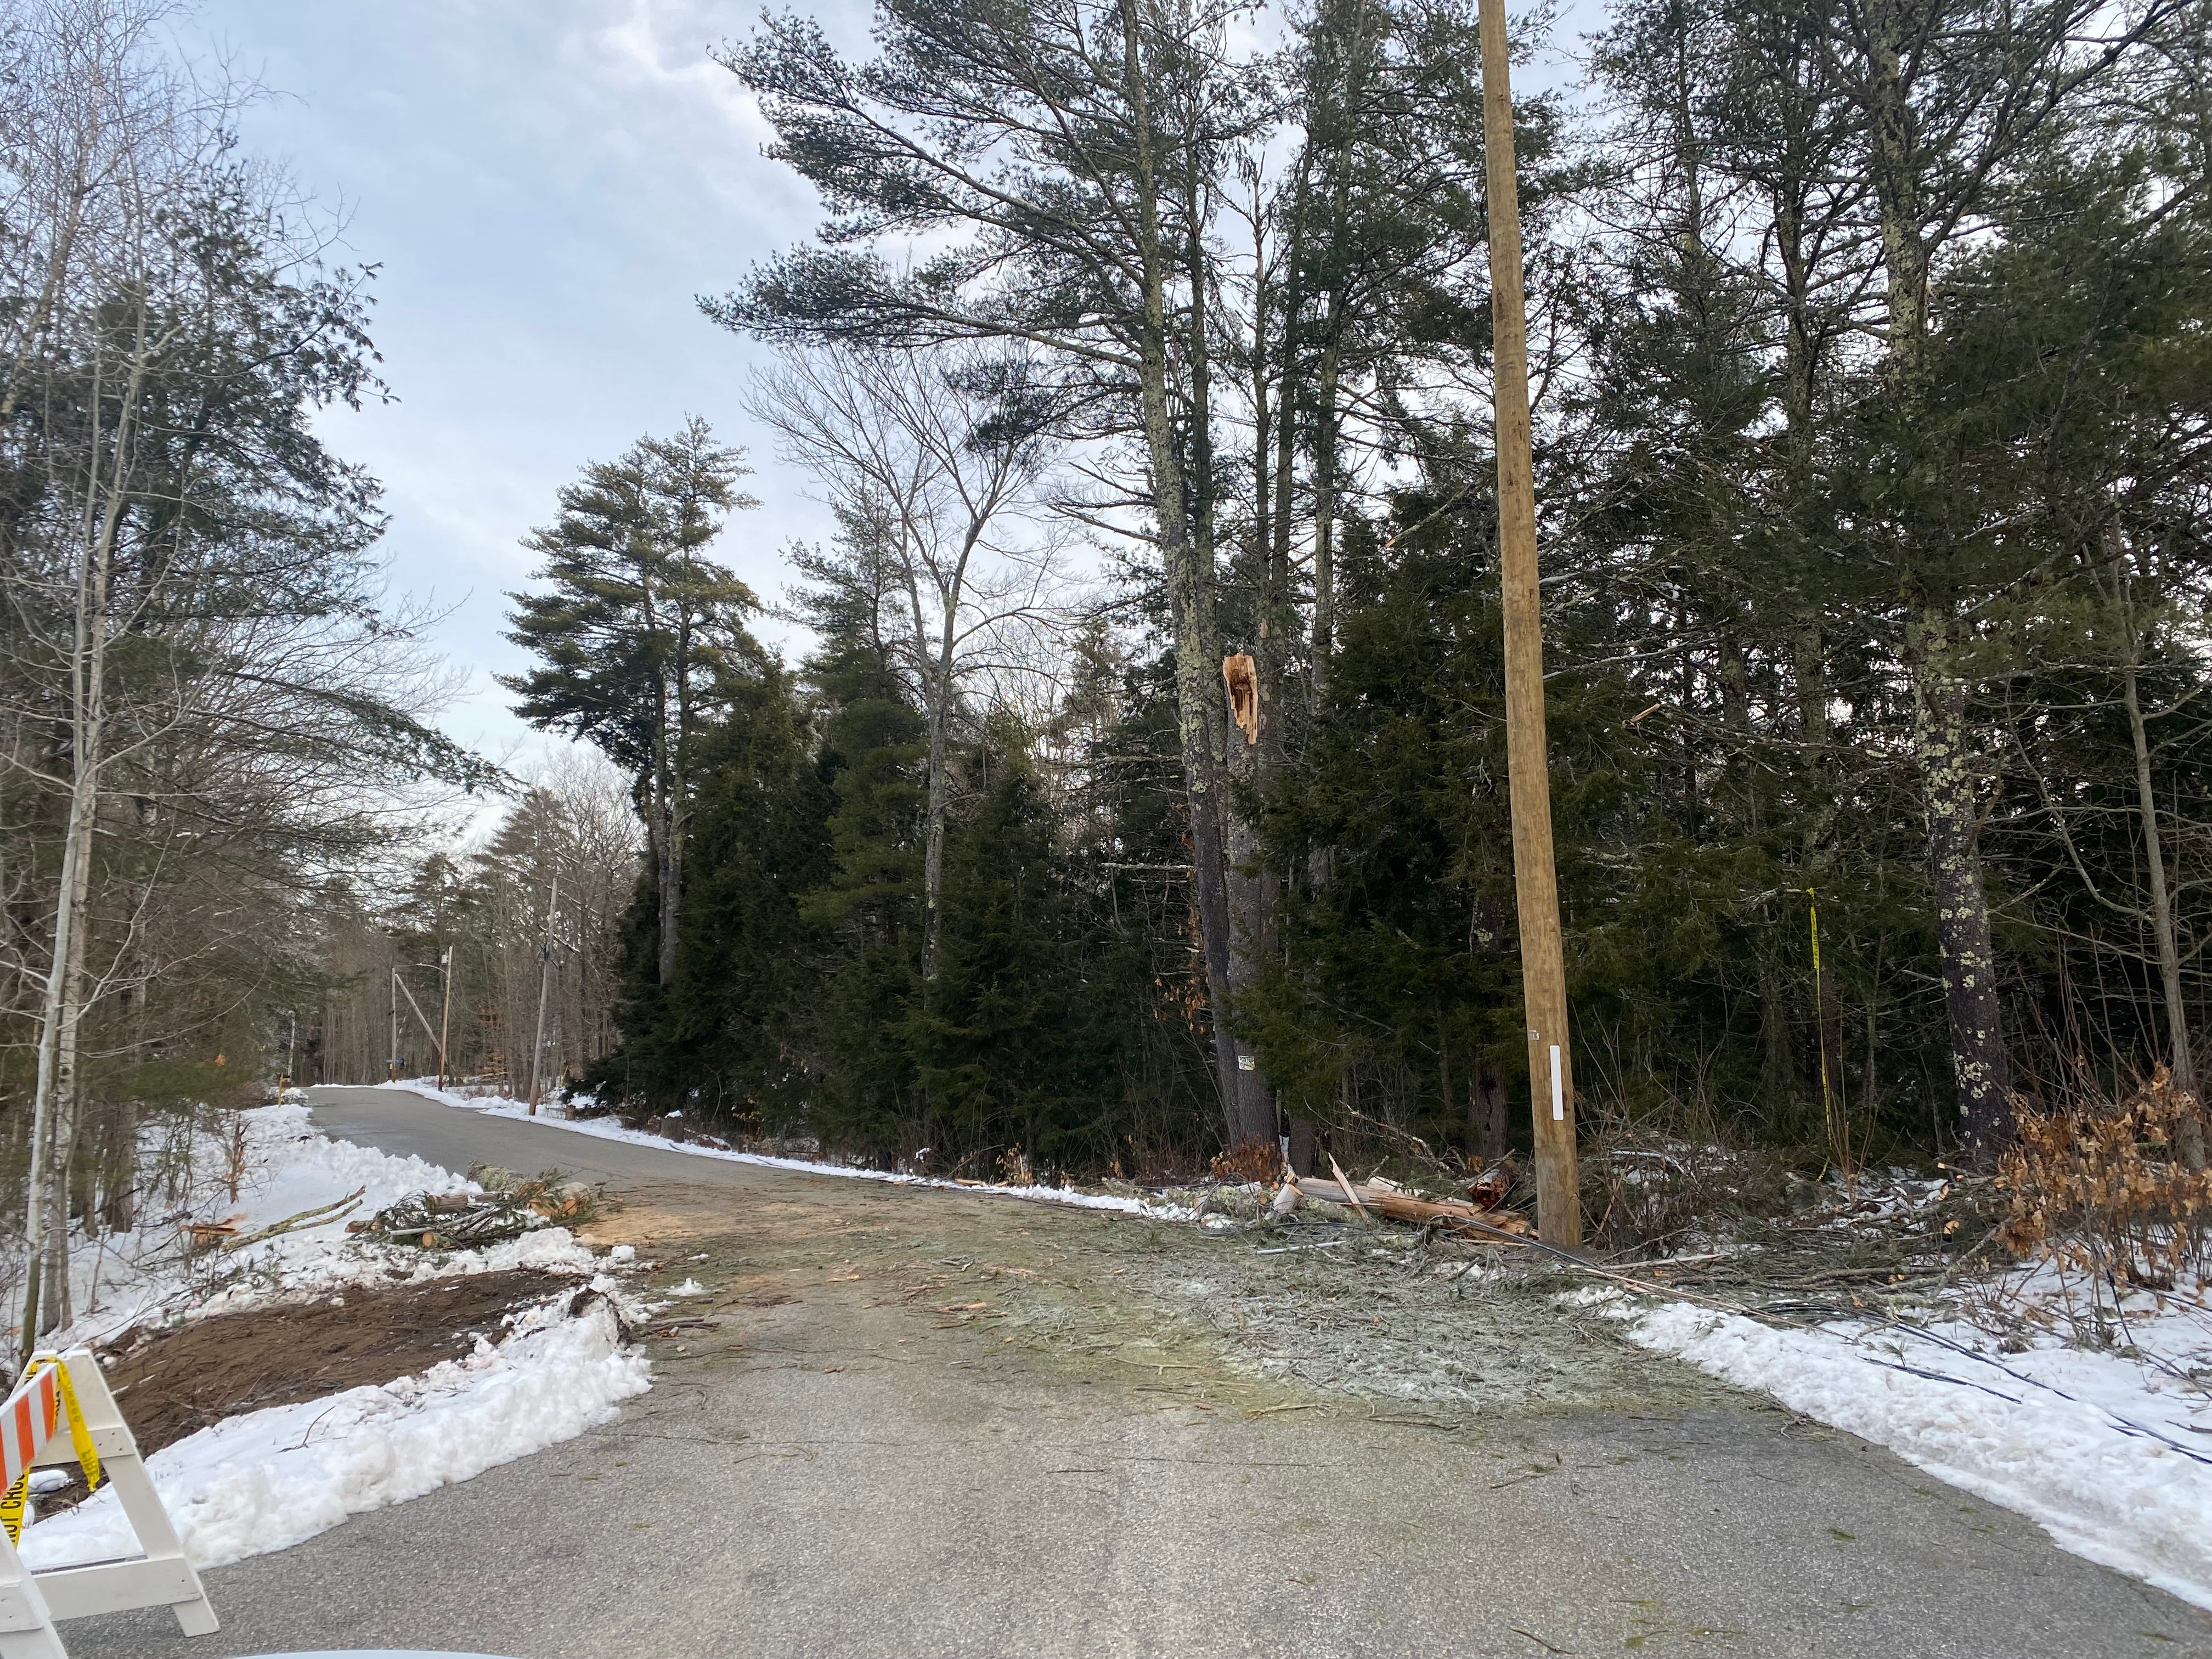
{"x":934,"y":458}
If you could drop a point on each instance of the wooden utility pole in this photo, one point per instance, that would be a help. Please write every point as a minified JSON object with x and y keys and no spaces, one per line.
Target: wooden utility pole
{"x":1536,"y":874}
{"x":545,"y":980}
{"x":445,"y":1013}
{"x":392,"y":1053}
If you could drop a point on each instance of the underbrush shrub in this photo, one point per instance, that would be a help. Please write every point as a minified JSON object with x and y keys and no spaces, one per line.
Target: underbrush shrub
{"x":1254,"y":1160}
{"x":1642,"y":1192}
{"x":1158,"y":1164}
{"x":2101,"y":1187}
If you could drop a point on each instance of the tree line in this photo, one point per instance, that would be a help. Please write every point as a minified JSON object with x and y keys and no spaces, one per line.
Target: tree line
{"x":1872,"y":391}
{"x":1138,"y":793}
{"x":208,"y":707}
{"x":494,"y":958}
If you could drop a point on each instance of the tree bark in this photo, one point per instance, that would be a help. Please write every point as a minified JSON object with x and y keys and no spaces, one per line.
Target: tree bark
{"x":56,"y":1087}
{"x":1189,"y":584}
{"x":677,"y":794}
{"x":1486,"y":1123}
{"x":932,"y":845}
{"x":1324,"y":617}
{"x":661,"y":816}
{"x":1980,"y":1065}
{"x":2181,"y":1063}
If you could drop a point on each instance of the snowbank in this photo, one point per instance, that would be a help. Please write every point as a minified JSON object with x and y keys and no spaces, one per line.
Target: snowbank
{"x":269,"y":1479}
{"x":607,"y":1128}
{"x":266,"y":1479}
{"x":2099,"y":1450}
{"x":285,"y":1166}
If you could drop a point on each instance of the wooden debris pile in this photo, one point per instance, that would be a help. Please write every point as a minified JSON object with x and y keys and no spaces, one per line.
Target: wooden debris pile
{"x":1378,"y":1197}
{"x":510,"y":1208}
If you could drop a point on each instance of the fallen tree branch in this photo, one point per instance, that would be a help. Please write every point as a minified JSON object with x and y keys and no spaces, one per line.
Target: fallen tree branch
{"x":320,"y":1214}
{"x":1506,"y":1226}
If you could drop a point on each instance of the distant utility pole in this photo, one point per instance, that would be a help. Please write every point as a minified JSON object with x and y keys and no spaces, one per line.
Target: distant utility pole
{"x":393,"y":1053}
{"x":1535,"y":873}
{"x":445,"y":1013}
{"x":545,"y":980}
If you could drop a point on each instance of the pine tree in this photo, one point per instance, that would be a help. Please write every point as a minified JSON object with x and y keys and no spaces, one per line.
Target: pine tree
{"x":732,"y":1032}
{"x":1010,"y":1042}
{"x":641,"y":635}
{"x":872,"y":760}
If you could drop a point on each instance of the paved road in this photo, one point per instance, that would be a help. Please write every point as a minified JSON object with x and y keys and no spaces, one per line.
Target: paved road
{"x":916,"y":1445}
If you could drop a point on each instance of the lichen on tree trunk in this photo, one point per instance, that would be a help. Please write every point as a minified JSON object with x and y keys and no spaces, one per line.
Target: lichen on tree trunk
{"x":1980,"y":1064}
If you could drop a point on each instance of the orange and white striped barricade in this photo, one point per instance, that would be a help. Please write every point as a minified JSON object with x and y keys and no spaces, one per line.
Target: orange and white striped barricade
{"x":67,"y":1391}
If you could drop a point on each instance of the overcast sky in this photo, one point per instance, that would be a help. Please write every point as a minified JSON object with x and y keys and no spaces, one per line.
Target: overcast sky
{"x":547,"y":185}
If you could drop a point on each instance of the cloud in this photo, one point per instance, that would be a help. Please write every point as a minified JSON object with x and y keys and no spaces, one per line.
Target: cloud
{"x":546,"y":185}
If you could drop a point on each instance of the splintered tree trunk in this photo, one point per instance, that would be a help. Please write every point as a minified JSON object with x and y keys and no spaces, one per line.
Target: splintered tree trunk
{"x":1195,"y":701}
{"x":1251,"y":927}
{"x":1250,"y":1107}
{"x":1980,"y":1065}
{"x":1189,"y":585}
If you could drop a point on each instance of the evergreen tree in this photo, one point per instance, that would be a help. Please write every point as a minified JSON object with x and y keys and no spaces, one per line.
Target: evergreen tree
{"x":872,"y":760}
{"x":1010,"y":1044}
{"x":642,"y":636}
{"x":731,"y":1033}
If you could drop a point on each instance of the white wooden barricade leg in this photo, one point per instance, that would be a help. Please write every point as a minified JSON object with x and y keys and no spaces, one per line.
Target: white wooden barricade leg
{"x":161,"y":1577}
{"x":27,"y":1624}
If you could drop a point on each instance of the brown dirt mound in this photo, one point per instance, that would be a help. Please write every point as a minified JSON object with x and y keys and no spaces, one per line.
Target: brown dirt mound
{"x":178,"y":1381}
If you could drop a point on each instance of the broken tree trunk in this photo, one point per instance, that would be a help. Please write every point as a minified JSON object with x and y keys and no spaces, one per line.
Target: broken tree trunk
{"x":1455,"y":1216}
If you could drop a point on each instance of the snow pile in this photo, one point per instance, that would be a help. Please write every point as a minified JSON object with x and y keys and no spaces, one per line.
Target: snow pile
{"x":284,"y":1166}
{"x":608,"y":1128}
{"x":269,"y":1479}
{"x":2112,"y":1457}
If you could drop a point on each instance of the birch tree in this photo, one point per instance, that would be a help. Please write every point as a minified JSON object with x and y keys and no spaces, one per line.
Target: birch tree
{"x":190,"y":606}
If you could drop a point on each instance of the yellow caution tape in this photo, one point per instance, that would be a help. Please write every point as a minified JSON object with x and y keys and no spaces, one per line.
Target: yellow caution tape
{"x":11,"y":1507}
{"x":88,"y":1454}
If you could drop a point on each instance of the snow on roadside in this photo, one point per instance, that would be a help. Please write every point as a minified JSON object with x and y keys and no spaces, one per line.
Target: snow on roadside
{"x":269,"y":1479}
{"x":608,"y":1128}
{"x":2099,"y":1449}
{"x":266,"y":1479}
{"x":285,"y":1166}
